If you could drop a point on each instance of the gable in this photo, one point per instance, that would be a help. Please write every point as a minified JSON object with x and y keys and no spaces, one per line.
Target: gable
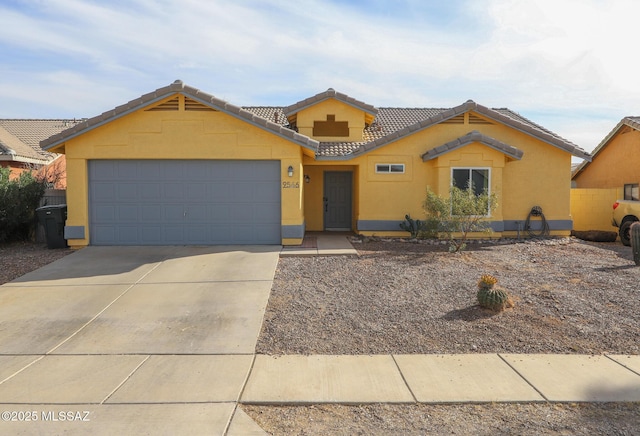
{"x":331,"y":120}
{"x":163,"y":99}
{"x":473,"y":137}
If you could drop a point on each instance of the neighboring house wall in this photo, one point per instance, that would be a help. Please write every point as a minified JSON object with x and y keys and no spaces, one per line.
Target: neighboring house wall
{"x":592,"y":208}
{"x":616,"y":163}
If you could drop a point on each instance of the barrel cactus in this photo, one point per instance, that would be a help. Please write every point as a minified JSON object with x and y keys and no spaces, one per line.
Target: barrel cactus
{"x":634,"y":232}
{"x":491,"y":297}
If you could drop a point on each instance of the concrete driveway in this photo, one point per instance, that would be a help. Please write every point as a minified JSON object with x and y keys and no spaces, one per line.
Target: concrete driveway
{"x":135,"y":340}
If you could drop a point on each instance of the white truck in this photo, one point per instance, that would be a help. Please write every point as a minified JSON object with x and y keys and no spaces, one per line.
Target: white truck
{"x":625,"y":213}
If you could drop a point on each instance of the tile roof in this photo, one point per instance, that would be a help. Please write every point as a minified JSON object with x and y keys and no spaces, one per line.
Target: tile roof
{"x":388,"y":125}
{"x":179,"y":87}
{"x":473,"y":136}
{"x":20,"y":138}
{"x":329,"y":93}
{"x":633,"y":122}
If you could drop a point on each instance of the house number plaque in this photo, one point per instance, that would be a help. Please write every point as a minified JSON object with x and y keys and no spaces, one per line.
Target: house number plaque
{"x":290,"y":185}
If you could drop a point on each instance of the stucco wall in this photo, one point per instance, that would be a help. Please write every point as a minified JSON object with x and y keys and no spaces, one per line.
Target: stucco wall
{"x":592,"y":209}
{"x":541,"y":178}
{"x":179,"y":135}
{"x":615,"y":165}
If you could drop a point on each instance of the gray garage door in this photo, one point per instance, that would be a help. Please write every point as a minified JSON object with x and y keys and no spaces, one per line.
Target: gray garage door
{"x":184,"y":202}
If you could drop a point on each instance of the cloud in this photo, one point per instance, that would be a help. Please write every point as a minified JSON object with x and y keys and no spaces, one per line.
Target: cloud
{"x":567,"y":62}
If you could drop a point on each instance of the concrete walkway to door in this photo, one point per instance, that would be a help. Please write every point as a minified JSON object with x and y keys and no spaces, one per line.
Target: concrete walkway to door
{"x":133,"y":340}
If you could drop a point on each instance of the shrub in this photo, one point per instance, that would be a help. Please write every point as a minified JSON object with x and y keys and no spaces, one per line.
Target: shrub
{"x":462,"y":213}
{"x":19,"y":199}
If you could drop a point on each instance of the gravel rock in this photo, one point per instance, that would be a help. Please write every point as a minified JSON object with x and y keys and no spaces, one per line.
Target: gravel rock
{"x":19,"y":258}
{"x":413,"y":297}
{"x":407,"y":298}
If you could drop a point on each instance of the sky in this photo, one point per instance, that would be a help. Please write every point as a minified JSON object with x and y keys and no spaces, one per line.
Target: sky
{"x":568,"y":65}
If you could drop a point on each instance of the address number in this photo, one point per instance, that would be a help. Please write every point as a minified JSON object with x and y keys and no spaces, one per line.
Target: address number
{"x":290,"y":185}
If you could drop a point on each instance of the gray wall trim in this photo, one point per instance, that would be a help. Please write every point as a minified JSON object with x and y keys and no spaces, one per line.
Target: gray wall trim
{"x":293,"y":231}
{"x":536,"y":224}
{"x":379,"y":225}
{"x":496,"y":226}
{"x":74,"y":232}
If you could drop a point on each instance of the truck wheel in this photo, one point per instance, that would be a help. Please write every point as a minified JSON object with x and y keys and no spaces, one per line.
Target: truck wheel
{"x":625,"y":232}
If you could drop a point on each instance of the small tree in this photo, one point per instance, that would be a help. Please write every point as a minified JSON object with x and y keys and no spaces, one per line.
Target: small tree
{"x":462,"y":213}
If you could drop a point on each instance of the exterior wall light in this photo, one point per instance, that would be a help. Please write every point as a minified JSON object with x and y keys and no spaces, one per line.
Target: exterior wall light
{"x":307,"y":179}
{"x":290,"y":171}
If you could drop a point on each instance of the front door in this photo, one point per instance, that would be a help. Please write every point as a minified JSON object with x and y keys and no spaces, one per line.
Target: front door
{"x":337,"y":200}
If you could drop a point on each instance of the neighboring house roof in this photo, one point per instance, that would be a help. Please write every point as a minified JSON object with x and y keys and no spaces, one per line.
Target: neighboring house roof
{"x":473,"y":136}
{"x":20,"y":139}
{"x":388,"y":124}
{"x":632,"y":122}
{"x":194,"y":93}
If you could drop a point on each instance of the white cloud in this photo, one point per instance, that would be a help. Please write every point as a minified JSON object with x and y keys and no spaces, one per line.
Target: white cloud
{"x":567,"y":61}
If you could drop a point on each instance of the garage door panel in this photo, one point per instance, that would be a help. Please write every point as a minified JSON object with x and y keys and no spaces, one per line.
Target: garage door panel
{"x":150,"y":191}
{"x":104,"y":214}
{"x":104,"y":191}
{"x":173,"y":213}
{"x":151,"y":213}
{"x":151,"y":234}
{"x":173,"y":191}
{"x":184,"y":202}
{"x":128,"y":213}
{"x":127,"y":233}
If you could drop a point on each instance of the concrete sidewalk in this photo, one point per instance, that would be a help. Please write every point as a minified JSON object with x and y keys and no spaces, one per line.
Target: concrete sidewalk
{"x":322,"y":244}
{"x":458,"y":378}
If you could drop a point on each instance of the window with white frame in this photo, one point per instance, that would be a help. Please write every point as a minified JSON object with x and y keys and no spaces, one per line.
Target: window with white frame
{"x":475,"y":178}
{"x":390,"y":168}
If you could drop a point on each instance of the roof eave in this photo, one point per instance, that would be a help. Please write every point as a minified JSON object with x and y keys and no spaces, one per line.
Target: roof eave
{"x":538,"y":134}
{"x":177,"y":88}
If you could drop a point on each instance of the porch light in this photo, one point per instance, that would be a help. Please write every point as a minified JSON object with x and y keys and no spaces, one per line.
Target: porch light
{"x":290,"y":171}
{"x":307,"y":179}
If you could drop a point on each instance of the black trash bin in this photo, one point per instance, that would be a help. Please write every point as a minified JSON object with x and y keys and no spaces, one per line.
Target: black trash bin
{"x":53,"y":218}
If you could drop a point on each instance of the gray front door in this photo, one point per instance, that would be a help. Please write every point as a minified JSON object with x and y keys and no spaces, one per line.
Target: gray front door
{"x":337,"y":200}
{"x":184,"y":202}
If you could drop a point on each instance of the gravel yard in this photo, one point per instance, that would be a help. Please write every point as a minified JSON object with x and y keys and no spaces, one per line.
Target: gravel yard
{"x":406,"y":298}
{"x":402,"y":297}
{"x":19,"y":258}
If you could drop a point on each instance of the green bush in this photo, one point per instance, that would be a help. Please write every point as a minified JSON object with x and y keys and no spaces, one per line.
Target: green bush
{"x":462,"y":213}
{"x":19,"y":199}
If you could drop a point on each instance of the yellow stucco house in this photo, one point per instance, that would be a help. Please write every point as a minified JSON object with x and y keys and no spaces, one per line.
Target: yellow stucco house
{"x":615,"y":162}
{"x":180,"y":166}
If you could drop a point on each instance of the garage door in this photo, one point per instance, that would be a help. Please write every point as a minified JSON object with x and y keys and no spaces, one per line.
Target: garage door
{"x":193,"y":202}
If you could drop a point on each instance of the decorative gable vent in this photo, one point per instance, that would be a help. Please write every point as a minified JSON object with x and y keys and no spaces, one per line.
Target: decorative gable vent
{"x":169,"y":105}
{"x":474,"y":119}
{"x":192,"y":105}
{"x":458,"y":119}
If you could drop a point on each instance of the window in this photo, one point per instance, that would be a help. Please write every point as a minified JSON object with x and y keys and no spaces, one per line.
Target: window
{"x":478,"y":177}
{"x":390,"y":168}
{"x":631,"y":191}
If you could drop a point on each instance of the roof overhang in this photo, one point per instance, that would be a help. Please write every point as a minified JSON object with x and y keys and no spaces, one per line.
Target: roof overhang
{"x":178,"y":87}
{"x":469,"y":138}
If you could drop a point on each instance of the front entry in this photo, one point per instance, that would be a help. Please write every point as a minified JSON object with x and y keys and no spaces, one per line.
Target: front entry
{"x":337,"y":200}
